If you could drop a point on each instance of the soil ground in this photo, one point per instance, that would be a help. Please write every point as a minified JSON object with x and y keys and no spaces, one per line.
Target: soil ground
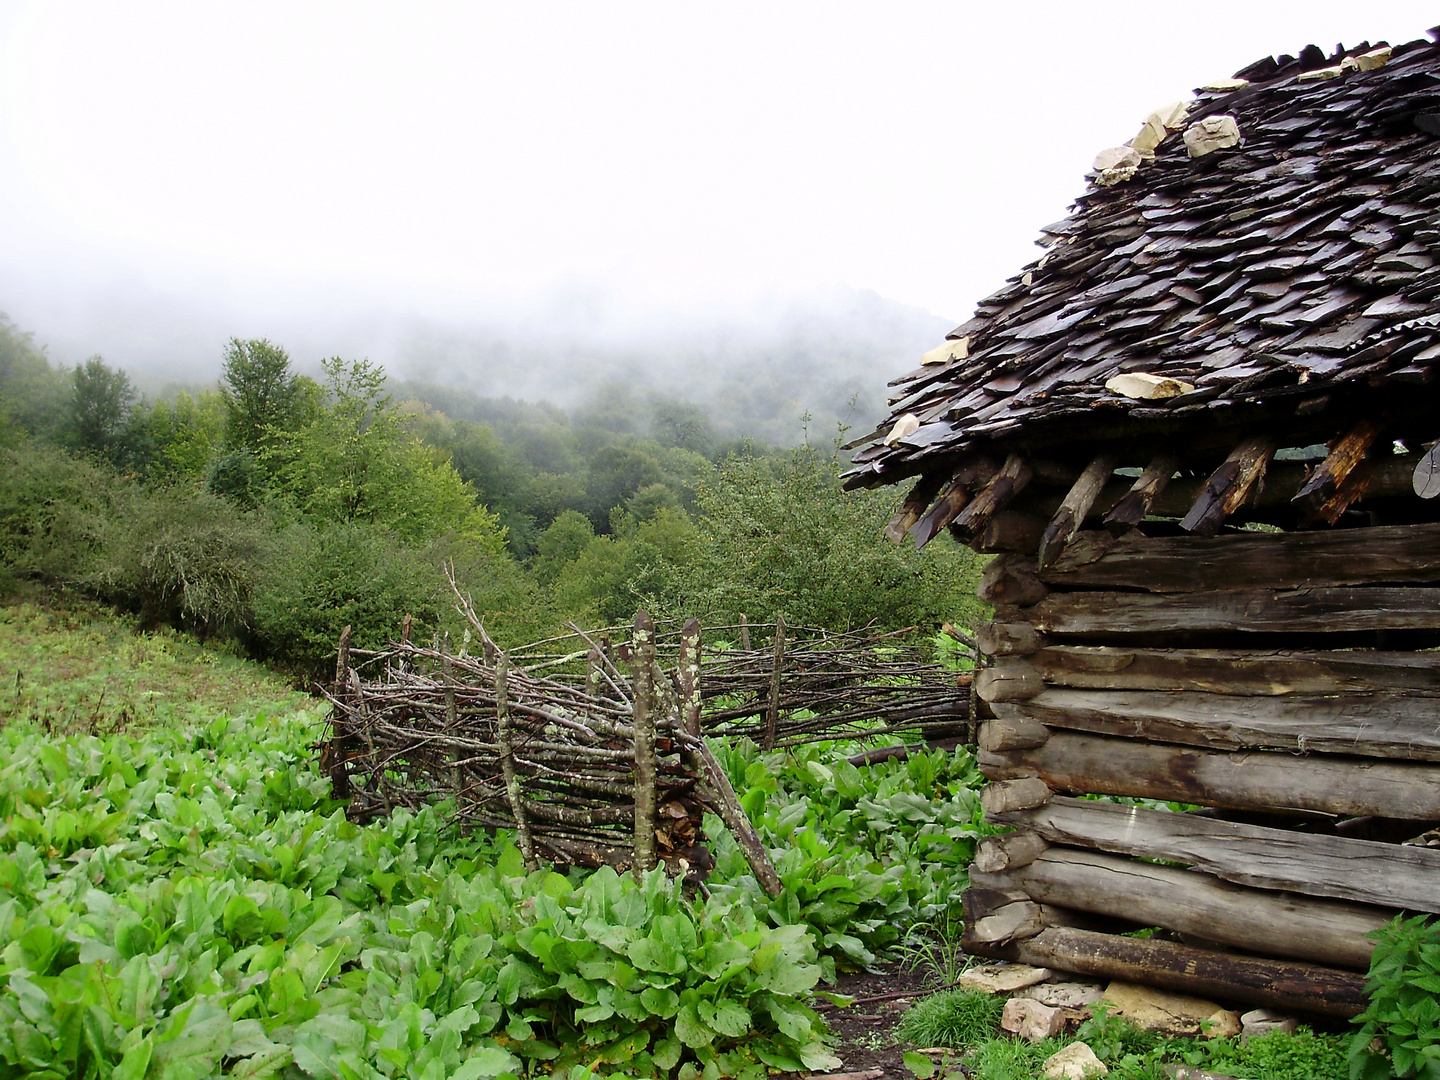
{"x":866,"y":1030}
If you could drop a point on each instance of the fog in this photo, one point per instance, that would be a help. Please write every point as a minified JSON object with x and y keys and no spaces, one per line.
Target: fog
{"x":783,"y":200}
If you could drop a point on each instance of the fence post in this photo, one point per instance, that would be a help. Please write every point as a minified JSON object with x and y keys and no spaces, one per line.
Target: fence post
{"x":643,"y":722}
{"x":744,"y":632}
{"x":507,"y":760}
{"x":688,"y":668}
{"x":447,"y":672}
{"x":772,"y":713}
{"x":340,"y":739}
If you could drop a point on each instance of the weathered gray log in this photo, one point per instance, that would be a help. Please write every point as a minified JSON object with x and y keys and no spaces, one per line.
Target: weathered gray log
{"x":1022,"y":794}
{"x":1008,"y":638}
{"x":1011,"y":680}
{"x":995,"y":496}
{"x":1009,"y":851}
{"x":1393,"y":554}
{"x":1228,"y":486}
{"x":1286,"y":925}
{"x":1279,"y":983}
{"x":1135,"y":506}
{"x":1258,"y":780}
{"x":1238,"y":671}
{"x":1011,"y":579}
{"x":1387,"y":875}
{"x":913,"y":507}
{"x":1073,"y":508}
{"x":1317,"y":610}
{"x":1011,"y":734}
{"x":1396,"y":727}
{"x":956,"y":496}
{"x":1010,"y":531}
{"x":1012,"y":922}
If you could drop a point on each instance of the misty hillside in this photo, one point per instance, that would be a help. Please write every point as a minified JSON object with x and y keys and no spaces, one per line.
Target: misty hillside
{"x":755,"y":369}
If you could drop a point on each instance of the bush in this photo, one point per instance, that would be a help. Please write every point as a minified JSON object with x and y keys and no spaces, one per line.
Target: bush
{"x":322,"y":580}
{"x":181,"y":557}
{"x":53,"y":509}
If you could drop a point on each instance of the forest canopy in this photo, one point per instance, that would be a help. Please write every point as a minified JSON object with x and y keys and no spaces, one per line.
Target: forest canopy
{"x":275,"y":508}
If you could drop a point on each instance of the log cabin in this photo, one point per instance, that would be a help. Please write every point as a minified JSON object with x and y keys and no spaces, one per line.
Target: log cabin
{"x":1199,"y":436}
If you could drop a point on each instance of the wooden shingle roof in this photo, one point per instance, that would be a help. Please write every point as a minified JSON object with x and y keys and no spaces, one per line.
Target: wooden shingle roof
{"x":1289,"y":281}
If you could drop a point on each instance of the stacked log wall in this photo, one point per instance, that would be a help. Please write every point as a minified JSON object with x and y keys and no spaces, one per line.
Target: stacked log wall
{"x":1275,"y":680}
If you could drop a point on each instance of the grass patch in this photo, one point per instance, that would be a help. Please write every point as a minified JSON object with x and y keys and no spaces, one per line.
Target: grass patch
{"x":958,"y":1019}
{"x":86,"y":670}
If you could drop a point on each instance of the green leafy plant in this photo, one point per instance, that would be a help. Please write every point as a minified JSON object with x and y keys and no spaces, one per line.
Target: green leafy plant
{"x":954,"y":1018}
{"x":1404,"y":1011}
{"x":1277,"y":1055}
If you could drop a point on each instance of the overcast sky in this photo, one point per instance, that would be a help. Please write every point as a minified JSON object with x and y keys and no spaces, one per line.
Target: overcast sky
{"x":268,"y":162}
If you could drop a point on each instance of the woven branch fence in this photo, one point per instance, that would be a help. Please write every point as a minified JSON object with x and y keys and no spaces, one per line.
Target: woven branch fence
{"x":591,"y":748}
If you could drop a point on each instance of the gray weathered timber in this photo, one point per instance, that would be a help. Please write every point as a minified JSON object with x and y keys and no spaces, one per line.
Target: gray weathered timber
{"x":1238,"y":671}
{"x":1073,"y":508}
{"x":1010,"y":850}
{"x":1391,"y":726}
{"x":1269,"y":923}
{"x":997,"y":734}
{"x":1229,"y":485}
{"x":1396,"y":554}
{"x":1319,"y":610}
{"x":1019,"y":794}
{"x":1008,"y":638}
{"x":1279,"y":983}
{"x":1389,"y":875}
{"x":1255,"y":780}
{"x":1011,"y":579}
{"x":1012,"y":680}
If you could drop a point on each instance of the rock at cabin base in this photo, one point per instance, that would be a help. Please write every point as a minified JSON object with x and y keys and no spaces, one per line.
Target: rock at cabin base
{"x":1002,"y":978}
{"x":1030,"y":1020}
{"x":1064,"y":995}
{"x":1076,"y":1062}
{"x":1169,"y":1014}
{"x":1263,"y":1021}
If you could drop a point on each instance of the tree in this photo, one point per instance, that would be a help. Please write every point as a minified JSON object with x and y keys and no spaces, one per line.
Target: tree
{"x":101,"y":404}
{"x":260,"y":391}
{"x":355,"y":462}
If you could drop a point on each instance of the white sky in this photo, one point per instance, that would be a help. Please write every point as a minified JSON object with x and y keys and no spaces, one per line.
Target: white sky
{"x":450,"y":158}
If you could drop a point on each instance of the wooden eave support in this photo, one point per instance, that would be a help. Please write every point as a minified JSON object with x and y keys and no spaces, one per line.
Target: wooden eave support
{"x":953,"y":499}
{"x":1009,"y":482}
{"x":1342,"y":478}
{"x":1074,"y":507}
{"x":1135,"y":506}
{"x":914,"y":506}
{"x":1228,"y":486}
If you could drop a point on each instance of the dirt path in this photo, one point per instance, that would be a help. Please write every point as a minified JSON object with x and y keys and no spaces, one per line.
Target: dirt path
{"x":866,"y":1029}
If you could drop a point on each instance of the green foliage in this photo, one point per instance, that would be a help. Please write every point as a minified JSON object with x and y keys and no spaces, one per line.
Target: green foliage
{"x":262,"y":396}
{"x":356,"y":463}
{"x":187,"y":434}
{"x":641,"y":565}
{"x":182,"y":904}
{"x":182,"y":557}
{"x":955,"y":1018}
{"x":324,"y":579}
{"x":1114,"y":1038}
{"x":778,"y":536}
{"x":1278,"y":1055}
{"x":52,"y":512}
{"x":1011,"y":1059}
{"x":84,"y":670}
{"x":1404,"y":1009}
{"x":860,"y":853}
{"x":103,"y":418}
{"x":33,"y":395}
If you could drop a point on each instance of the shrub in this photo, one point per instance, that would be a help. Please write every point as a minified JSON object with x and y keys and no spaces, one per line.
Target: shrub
{"x":180,"y":557}
{"x":322,"y":580}
{"x":52,"y":512}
